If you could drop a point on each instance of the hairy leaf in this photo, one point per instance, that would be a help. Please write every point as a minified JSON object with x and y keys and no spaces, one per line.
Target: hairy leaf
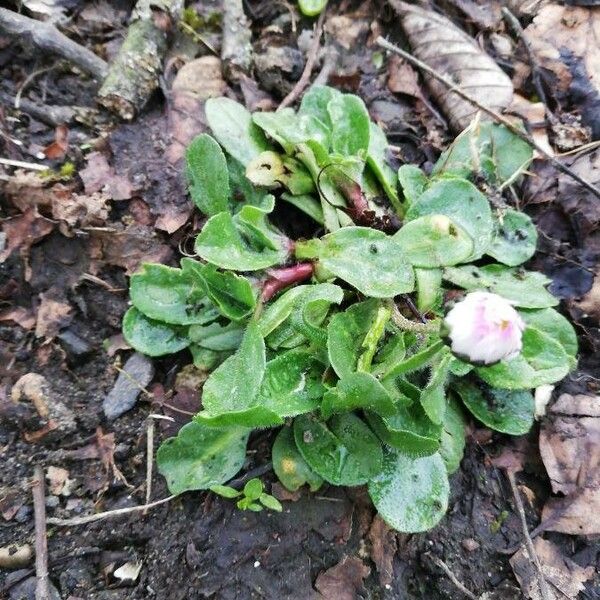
{"x":522,"y":288}
{"x":542,"y":361}
{"x":434,"y":241}
{"x":171,"y":295}
{"x":515,"y":238}
{"x":200,"y":457}
{"x":357,"y":390}
{"x":343,"y":451}
{"x":486,"y":148}
{"x":289,"y":466}
{"x":206,"y":169}
{"x":508,"y":411}
{"x":153,"y":338}
{"x":410,"y":494}
{"x":232,"y":125}
{"x":365,"y":258}
{"x":464,"y":204}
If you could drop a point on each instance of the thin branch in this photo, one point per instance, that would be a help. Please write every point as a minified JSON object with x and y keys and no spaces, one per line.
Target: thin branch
{"x":47,"y":37}
{"x":535,"y":67}
{"x":451,"y":576}
{"x":109,"y":513}
{"x":311,"y":59}
{"x":42,"y":587}
{"x":149,"y":458}
{"x":528,"y":542}
{"x":383,"y":43}
{"x":22,"y":165}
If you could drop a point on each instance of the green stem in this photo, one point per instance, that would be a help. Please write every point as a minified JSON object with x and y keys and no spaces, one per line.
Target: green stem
{"x":416,"y":361}
{"x":372,"y":338}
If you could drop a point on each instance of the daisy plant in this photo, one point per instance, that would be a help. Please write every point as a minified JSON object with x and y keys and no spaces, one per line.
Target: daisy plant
{"x":384,"y":308}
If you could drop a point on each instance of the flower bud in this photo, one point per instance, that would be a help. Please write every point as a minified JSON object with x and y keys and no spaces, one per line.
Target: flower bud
{"x":484,"y":328}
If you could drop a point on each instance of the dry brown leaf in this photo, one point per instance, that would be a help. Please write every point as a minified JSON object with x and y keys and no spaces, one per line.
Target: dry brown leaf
{"x":52,"y":315}
{"x":564,"y":577}
{"x":570,"y":443}
{"x":23,"y":317}
{"x":126,"y":248}
{"x":344,"y":581}
{"x":26,"y":189}
{"x":23,"y":231}
{"x":570,"y":448}
{"x":444,"y":47}
{"x":576,"y":200}
{"x":485,"y":14}
{"x":565,"y":41}
{"x":81,"y":210}
{"x":195,"y":82}
{"x":58,"y":148}
{"x":534,"y":114}
{"x":383,"y":548}
{"x":100,"y":176}
{"x":576,"y":514}
{"x":402,"y":78}
{"x":346,"y":30}
{"x":590,"y":303}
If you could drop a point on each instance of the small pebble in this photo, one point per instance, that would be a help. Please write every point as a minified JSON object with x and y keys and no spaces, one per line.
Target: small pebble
{"x":470,"y":545}
{"x":256,"y":564}
{"x":138,"y":373}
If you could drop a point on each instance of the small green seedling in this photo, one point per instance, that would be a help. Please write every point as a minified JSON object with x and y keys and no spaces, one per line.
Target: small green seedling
{"x":252,"y":497}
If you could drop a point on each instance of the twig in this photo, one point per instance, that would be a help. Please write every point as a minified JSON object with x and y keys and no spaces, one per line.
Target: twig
{"x":28,"y":80}
{"x":47,"y":37}
{"x":149,"y":458}
{"x":42,"y":587}
{"x":444,"y":567}
{"x":528,"y":542}
{"x":311,"y":59}
{"x":23,"y":165}
{"x":383,"y":43}
{"x":535,"y":67}
{"x":109,"y":513}
{"x":329,"y":62}
{"x":51,"y":115}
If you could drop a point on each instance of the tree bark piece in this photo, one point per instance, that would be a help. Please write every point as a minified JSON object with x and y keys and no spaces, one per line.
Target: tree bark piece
{"x":236,"y":48}
{"x":134,"y":74}
{"x":47,"y":37}
{"x":436,"y":41}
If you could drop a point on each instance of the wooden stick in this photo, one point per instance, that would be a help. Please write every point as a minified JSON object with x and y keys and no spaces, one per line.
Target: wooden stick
{"x":311,"y":59}
{"x":383,"y":43}
{"x":444,"y":567}
{"x":109,"y":513}
{"x":149,"y":458}
{"x":134,"y":74}
{"x":42,"y":588}
{"x":528,"y":542}
{"x":47,"y":37}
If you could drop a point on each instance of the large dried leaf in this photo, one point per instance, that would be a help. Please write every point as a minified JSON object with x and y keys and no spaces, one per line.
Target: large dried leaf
{"x":564,"y":577}
{"x":570,"y":449}
{"x":444,"y":47}
{"x":565,"y":41}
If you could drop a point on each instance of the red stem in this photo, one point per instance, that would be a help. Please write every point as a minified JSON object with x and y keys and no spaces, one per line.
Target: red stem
{"x":284,"y":277}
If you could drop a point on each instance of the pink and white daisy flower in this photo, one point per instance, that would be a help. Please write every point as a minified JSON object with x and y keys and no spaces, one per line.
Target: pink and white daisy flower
{"x":484,"y":328}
